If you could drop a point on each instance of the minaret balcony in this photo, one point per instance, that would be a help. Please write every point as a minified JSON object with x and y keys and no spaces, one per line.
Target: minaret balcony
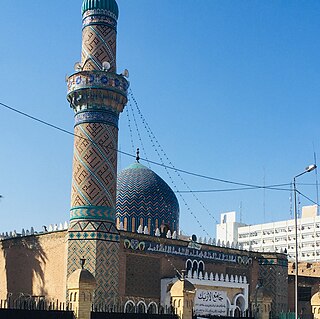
{"x":97,"y":87}
{"x":101,"y":80}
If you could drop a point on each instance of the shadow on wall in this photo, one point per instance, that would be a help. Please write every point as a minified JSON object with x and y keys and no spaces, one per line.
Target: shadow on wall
{"x":24,"y":257}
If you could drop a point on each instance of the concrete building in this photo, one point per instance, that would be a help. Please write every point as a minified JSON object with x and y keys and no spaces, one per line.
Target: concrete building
{"x":277,"y":236}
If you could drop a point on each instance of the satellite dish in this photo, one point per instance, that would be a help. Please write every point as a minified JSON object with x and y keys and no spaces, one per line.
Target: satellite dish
{"x":125,"y":73}
{"x":106,"y":66}
{"x":78,"y":67}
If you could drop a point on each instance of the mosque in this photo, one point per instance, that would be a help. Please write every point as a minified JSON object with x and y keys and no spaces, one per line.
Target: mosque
{"x":123,"y":238}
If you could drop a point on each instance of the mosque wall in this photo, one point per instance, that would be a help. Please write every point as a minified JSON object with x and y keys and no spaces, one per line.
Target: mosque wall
{"x":149,"y":259}
{"x":34,"y":266}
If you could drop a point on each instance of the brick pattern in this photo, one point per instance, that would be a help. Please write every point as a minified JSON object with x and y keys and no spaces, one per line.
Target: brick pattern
{"x":92,"y":232}
{"x":142,"y":277}
{"x":102,"y":260}
{"x":94,"y":165}
{"x":98,"y":45}
{"x":275,"y":281}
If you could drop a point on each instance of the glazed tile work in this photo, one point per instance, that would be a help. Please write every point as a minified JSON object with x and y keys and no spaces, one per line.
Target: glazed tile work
{"x":144,"y":198}
{"x":97,"y":95}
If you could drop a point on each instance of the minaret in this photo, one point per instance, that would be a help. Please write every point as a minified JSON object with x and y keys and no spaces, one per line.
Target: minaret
{"x":97,"y":94}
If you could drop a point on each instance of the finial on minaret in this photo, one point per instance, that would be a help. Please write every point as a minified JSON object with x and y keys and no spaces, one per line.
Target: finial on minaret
{"x":138,"y":157}
{"x":82,"y":261}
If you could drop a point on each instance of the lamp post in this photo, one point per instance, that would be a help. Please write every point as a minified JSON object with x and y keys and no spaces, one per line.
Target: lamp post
{"x":307,"y":170}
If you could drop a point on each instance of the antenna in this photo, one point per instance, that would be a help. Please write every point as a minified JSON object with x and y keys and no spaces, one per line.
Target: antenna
{"x":106,"y":66}
{"x":125,"y":73}
{"x":78,"y":67}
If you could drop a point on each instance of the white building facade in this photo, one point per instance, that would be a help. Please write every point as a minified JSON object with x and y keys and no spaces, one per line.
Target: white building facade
{"x":277,"y":236}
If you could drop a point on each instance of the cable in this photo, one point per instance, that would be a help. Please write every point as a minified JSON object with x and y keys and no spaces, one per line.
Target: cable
{"x":36,"y":119}
{"x":270,"y":187}
{"x":134,"y":156}
{"x":308,"y":198}
{"x":130,"y":130}
{"x":157,"y":146}
{"x":138,"y":133}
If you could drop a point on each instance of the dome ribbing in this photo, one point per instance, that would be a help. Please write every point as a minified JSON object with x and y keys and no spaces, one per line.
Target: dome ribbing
{"x":144,"y":198}
{"x":110,"y":5}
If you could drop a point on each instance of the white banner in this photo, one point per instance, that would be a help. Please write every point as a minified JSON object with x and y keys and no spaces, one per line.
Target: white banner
{"x":210,"y":302}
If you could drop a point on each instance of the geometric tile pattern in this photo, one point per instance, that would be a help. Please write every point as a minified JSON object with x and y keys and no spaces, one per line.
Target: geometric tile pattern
{"x":144,"y":198}
{"x":94,"y":165}
{"x":98,"y":45}
{"x":110,"y":118}
{"x":274,"y":279}
{"x":93,"y":226}
{"x":92,"y":232}
{"x":97,"y":98}
{"x":93,"y":212}
{"x":92,"y":17}
{"x":102,"y":260}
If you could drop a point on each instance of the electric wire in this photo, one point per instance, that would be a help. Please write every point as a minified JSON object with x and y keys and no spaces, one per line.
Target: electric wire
{"x":247,"y":186}
{"x":75,"y":135}
{"x":130,"y":129}
{"x":138,"y":133}
{"x":134,"y":156}
{"x":154,"y":141}
{"x":271,"y":187}
{"x":308,"y":198}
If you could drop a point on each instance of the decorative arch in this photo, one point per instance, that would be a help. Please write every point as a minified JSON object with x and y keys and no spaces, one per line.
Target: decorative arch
{"x":237,"y":312}
{"x":201,"y":267}
{"x":240,"y":302}
{"x":129,"y":307}
{"x":195,"y":267}
{"x":229,"y":310}
{"x":141,"y":307}
{"x":152,"y":308}
{"x":188,"y":265}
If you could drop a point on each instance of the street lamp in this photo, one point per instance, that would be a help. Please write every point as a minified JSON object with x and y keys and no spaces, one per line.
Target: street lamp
{"x":307,"y":170}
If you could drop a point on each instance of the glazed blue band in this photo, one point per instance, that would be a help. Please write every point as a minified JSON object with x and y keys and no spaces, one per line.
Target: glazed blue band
{"x":106,"y":117}
{"x":93,"y":212}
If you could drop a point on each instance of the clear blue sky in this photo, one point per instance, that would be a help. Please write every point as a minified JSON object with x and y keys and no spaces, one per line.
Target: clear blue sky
{"x":229,"y":88}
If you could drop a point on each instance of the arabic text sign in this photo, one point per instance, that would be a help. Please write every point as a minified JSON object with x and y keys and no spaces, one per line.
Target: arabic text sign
{"x":210,"y":302}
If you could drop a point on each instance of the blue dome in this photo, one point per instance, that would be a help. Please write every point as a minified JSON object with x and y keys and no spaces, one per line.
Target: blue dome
{"x":144,"y":198}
